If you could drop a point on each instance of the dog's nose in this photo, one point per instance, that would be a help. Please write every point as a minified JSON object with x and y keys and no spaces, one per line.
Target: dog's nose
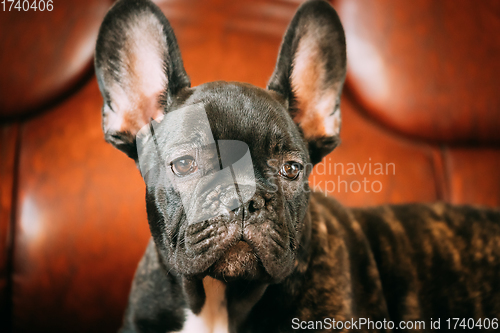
{"x":255,"y":204}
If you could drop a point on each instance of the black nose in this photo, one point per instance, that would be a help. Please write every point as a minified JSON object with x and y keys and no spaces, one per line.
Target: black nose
{"x":255,"y":204}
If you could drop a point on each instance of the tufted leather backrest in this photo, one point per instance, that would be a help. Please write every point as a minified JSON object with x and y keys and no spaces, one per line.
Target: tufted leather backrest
{"x":45,"y":53}
{"x":428,"y":69}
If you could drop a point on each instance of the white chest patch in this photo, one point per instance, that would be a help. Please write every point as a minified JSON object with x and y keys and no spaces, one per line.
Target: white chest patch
{"x":213,"y":315}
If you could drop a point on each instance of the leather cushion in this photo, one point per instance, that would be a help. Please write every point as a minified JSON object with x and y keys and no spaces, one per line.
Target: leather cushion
{"x":427,"y":68}
{"x":45,"y":54}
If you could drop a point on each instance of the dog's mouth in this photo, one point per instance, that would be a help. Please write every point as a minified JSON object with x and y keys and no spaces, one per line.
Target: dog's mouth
{"x":258,"y":249}
{"x":239,"y":262}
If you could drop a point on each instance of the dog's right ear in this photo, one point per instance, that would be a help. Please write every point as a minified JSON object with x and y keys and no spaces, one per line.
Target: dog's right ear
{"x":139,"y":70}
{"x":310,"y":74}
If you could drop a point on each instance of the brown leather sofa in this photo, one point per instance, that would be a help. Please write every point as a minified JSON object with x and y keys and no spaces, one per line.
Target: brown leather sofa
{"x":422,"y":98}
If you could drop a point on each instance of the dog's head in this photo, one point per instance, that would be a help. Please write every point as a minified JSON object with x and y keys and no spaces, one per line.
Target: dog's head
{"x":225,"y":164}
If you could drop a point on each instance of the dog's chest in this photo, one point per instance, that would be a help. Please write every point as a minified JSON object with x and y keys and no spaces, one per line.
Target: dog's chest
{"x":213,"y":317}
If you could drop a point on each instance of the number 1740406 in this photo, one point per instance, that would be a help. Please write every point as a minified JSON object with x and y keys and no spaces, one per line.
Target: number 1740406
{"x":472,"y":324}
{"x":27,"y":5}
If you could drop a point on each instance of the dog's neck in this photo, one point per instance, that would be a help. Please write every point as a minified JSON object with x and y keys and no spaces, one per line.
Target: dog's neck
{"x":218,"y":307}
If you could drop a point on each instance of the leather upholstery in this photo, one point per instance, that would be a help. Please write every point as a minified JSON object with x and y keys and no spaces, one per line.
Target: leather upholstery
{"x":8,"y":147}
{"x":428,"y":69}
{"x":78,"y":239}
{"x":75,"y":205}
{"x":473,"y":175}
{"x":45,"y":54}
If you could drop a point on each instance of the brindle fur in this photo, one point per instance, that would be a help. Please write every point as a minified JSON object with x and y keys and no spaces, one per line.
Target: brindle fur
{"x":393,"y":262}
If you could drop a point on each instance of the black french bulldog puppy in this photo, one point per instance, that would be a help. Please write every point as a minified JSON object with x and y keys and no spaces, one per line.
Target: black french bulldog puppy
{"x":239,"y":244}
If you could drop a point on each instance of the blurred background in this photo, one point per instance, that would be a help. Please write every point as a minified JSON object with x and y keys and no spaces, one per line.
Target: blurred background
{"x":422,"y":94}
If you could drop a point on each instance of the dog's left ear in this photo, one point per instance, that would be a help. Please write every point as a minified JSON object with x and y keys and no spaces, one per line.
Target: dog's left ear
{"x":310,"y":73}
{"x":139,"y":70}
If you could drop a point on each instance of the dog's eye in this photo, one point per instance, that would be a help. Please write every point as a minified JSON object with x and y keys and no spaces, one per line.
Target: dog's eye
{"x":183,"y":166}
{"x":290,"y":170}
